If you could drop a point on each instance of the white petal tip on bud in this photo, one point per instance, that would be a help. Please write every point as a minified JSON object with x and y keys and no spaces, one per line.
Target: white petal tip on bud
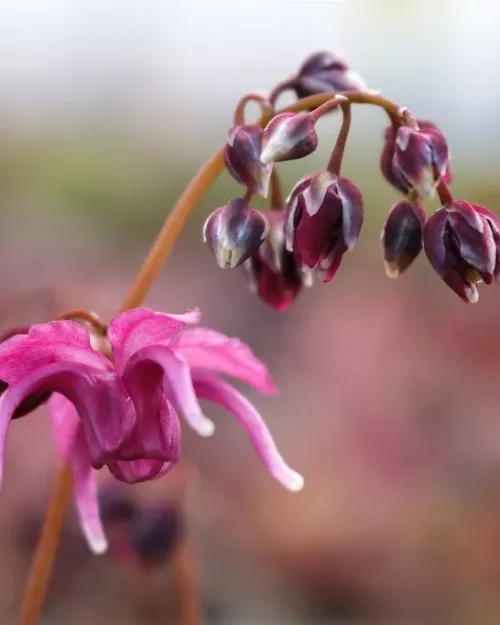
{"x":392,"y":270}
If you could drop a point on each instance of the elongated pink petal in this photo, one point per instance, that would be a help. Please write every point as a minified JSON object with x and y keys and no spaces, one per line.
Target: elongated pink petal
{"x":73,"y":448}
{"x":212,"y":350}
{"x":98,"y":397}
{"x":57,"y":341}
{"x":208,"y":386}
{"x":177,"y":384}
{"x":141,"y":327}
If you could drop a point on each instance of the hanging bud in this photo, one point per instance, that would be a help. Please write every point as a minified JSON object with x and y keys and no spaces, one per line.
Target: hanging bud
{"x":289,"y":136}
{"x":234,"y":232}
{"x":462,"y":242}
{"x":273,"y":272}
{"x":323,"y":72}
{"x":32,"y":401}
{"x":155,"y":533}
{"x":402,"y":236}
{"x":115,"y":505}
{"x":415,"y":159}
{"x":324,"y":219}
{"x":242,"y":158}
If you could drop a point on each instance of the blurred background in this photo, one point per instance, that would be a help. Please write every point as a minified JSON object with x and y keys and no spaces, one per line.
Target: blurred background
{"x":389,"y":389}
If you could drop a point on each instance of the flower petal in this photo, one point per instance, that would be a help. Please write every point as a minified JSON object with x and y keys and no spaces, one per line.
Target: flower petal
{"x":141,"y":327}
{"x":154,"y":445}
{"x":73,"y":448}
{"x":177,"y":384}
{"x":44,"y":344}
{"x":208,"y":386}
{"x":98,"y":398}
{"x":212,"y":350}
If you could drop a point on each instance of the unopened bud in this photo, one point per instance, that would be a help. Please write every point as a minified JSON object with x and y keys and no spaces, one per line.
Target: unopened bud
{"x":415,"y":160}
{"x":242,"y":158}
{"x":402,"y":236}
{"x":323,"y":72}
{"x":155,"y":533}
{"x":234,"y":232}
{"x":289,"y":136}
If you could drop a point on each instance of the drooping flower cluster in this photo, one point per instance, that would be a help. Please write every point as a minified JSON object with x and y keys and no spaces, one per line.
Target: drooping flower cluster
{"x":324,"y":212}
{"x":122,"y":412}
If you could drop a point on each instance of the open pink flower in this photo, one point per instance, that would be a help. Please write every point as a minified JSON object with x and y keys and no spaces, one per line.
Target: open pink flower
{"x":124,"y":414}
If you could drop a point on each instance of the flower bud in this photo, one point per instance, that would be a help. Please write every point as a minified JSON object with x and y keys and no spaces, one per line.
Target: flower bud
{"x":155,"y":533}
{"x":402,"y":236}
{"x":289,"y":136}
{"x":234,"y":232}
{"x":324,"y":219}
{"x":242,"y":158}
{"x":415,"y":160}
{"x":32,"y":401}
{"x":116,"y":506}
{"x":462,"y":242}
{"x":273,"y":272}
{"x":323,"y":72}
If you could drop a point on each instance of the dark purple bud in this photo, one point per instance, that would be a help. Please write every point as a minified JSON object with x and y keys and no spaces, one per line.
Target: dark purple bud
{"x":242,"y":158}
{"x":462,"y":243}
{"x":289,"y":136}
{"x":234,"y":232}
{"x":415,"y":160}
{"x":323,"y":72}
{"x":115,"y":505}
{"x":155,"y":534}
{"x":402,"y":236}
{"x":273,"y":272}
{"x":324,"y":219}
{"x":33,"y":401}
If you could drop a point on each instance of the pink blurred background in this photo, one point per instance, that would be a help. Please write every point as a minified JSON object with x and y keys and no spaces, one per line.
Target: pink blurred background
{"x":389,"y":389}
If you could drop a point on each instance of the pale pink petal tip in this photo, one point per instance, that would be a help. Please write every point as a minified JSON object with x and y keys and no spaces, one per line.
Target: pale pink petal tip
{"x":290,"y":479}
{"x":191,"y":316}
{"x":202,"y":425}
{"x":96,"y":541}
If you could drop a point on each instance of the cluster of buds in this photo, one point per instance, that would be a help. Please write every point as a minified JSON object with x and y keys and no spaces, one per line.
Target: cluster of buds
{"x":141,"y":534}
{"x":283,"y":249}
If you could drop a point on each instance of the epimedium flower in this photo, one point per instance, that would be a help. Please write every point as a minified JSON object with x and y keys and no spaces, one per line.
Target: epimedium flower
{"x":234,"y":232}
{"x":462,"y":242}
{"x":242,"y":158}
{"x":123,"y":414}
{"x":402,"y":236}
{"x":415,"y":159}
{"x":273,"y":272}
{"x":323,"y":221}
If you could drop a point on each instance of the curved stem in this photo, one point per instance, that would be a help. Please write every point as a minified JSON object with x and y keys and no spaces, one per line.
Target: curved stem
{"x":44,"y":555}
{"x":286,"y":85}
{"x":444,"y":193}
{"x":266,"y":107}
{"x":172,"y":228}
{"x":89,"y":317}
{"x":276,"y":201}
{"x":41,"y":566}
{"x":335,"y":162}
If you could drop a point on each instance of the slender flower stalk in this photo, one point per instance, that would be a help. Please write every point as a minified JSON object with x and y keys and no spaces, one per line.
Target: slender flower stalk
{"x":41,"y":567}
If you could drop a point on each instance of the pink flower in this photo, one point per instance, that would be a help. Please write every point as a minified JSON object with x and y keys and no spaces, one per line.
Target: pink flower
{"x":124,"y":414}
